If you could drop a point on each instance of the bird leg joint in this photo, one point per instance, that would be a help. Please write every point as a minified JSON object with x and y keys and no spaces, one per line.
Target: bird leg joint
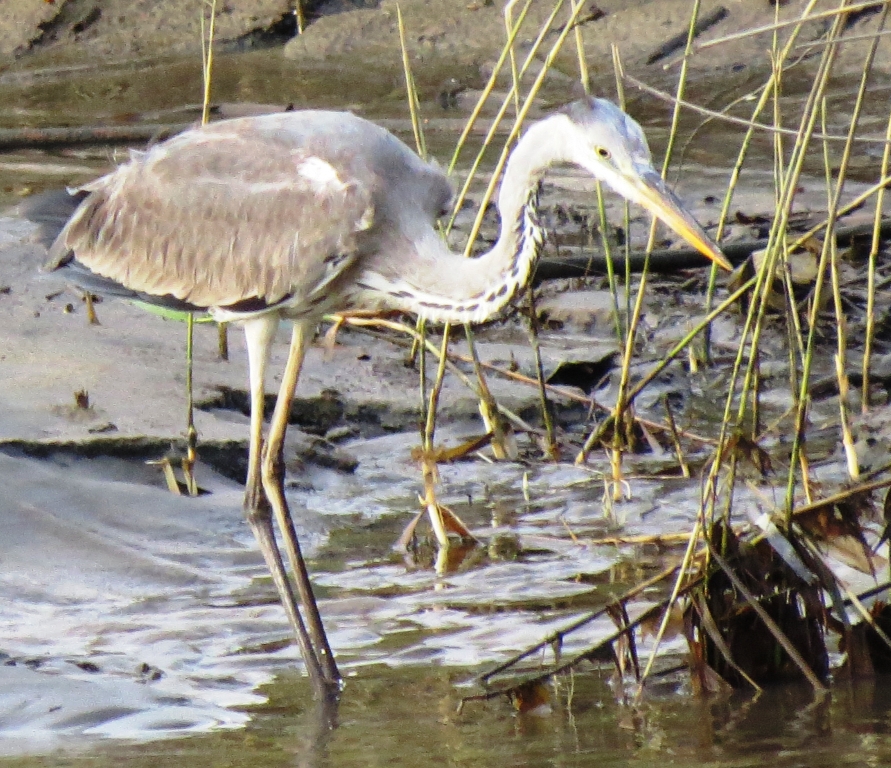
{"x":257,"y":508}
{"x":272,"y":468}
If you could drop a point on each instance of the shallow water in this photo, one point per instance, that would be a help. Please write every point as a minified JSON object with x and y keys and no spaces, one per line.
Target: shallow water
{"x":176,"y":602}
{"x":144,"y":626}
{"x":408,"y":717}
{"x":140,"y":626}
{"x":126,"y":92}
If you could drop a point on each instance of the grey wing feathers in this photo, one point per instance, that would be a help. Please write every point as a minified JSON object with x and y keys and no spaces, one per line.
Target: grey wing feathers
{"x":214,"y":219}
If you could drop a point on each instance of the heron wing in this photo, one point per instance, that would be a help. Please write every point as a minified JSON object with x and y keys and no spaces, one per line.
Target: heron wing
{"x":218,"y":219}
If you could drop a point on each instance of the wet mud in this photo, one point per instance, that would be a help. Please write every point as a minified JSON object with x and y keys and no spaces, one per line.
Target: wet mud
{"x":450,"y":37}
{"x":132,"y":613}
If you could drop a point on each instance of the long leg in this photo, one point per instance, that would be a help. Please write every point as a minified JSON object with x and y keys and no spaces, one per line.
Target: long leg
{"x":259,"y":333}
{"x":272,"y":471}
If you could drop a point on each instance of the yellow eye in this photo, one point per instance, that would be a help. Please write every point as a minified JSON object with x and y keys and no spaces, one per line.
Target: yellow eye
{"x":603,"y":152}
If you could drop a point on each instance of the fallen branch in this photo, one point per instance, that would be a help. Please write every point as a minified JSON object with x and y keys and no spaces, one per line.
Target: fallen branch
{"x":671,"y":260}
{"x":44,"y":138}
{"x":652,"y":611}
{"x":679,"y":41}
{"x":557,"y":636}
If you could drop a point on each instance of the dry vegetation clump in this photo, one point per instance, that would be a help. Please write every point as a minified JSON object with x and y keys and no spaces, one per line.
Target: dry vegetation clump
{"x":792,"y":467}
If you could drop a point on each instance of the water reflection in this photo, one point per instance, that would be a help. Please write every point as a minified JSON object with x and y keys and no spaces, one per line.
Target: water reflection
{"x":408,"y":718}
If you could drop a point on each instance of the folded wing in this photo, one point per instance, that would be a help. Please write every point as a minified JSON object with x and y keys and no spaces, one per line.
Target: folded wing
{"x":216,"y":219}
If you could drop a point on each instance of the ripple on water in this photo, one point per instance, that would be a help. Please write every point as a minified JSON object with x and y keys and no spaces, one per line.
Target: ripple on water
{"x":169,"y":594}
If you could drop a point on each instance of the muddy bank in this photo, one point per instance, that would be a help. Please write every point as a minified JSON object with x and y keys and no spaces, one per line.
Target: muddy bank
{"x":443,"y":37}
{"x":83,"y":29}
{"x":647,"y":35}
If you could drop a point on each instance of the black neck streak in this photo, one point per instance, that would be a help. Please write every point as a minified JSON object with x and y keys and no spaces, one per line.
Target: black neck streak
{"x":526,"y":239}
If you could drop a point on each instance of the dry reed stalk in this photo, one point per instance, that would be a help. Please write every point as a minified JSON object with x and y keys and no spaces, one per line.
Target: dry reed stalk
{"x":428,"y":409}
{"x":667,"y":359}
{"x":722,"y":116}
{"x":493,"y":129}
{"x":833,"y":207}
{"x":584,"y":75}
{"x":871,"y":271}
{"x":621,"y":441}
{"x":501,"y":442}
{"x":769,"y":88}
{"x":188,"y":462}
{"x":833,"y":13}
{"x":788,"y":180}
{"x":484,"y":97}
{"x":551,"y":450}
{"x":301,"y":17}
{"x":815,"y":100}
{"x":411,"y":90}
{"x":523,"y":112}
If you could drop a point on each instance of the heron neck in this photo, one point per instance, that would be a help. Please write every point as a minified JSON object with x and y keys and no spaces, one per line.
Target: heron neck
{"x":460,"y":289}
{"x":440,"y":285}
{"x":482,"y":286}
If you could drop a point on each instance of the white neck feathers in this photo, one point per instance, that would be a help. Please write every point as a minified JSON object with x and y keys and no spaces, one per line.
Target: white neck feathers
{"x":455,"y":289}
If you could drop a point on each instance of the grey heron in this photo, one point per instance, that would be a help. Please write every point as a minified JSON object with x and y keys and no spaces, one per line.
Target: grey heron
{"x":292,"y":215}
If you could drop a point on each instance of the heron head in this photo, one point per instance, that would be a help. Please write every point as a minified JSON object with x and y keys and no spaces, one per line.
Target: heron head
{"x":611,"y":146}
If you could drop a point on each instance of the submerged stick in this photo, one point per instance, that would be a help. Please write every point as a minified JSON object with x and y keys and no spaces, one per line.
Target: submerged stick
{"x":44,"y":138}
{"x":685,"y":38}
{"x":558,"y":635}
{"x":588,"y":653}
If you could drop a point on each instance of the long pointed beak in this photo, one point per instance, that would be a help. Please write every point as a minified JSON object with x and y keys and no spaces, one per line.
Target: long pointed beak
{"x":650,"y":191}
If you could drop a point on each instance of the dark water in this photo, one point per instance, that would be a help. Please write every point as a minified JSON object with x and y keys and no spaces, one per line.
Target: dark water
{"x":158,"y":92}
{"x":114,"y":579}
{"x":408,"y":718}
